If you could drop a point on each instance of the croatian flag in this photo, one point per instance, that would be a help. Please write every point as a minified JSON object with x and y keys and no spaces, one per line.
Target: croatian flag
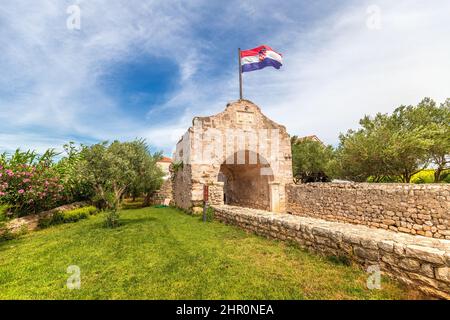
{"x":259,"y":58}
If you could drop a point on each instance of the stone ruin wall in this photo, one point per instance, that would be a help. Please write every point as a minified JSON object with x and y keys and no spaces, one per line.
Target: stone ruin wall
{"x":181,"y":187}
{"x":410,"y":208}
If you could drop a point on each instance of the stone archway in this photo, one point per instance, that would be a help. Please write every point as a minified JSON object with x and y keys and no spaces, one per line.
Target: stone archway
{"x":247,"y":179}
{"x":203,"y":151}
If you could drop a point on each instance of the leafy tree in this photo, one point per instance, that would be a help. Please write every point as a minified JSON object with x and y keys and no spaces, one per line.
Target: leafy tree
{"x":149,"y":177}
{"x":116,"y":168}
{"x":436,"y":120}
{"x":76,"y":187}
{"x":310,"y":160}
{"x":407,"y":149}
{"x":361,"y":153}
{"x":397,"y":145}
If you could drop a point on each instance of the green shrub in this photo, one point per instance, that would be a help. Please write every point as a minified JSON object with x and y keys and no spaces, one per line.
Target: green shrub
{"x":340,"y":260}
{"x":446,"y":178}
{"x":209,"y":214}
{"x":424,"y":176}
{"x":112,"y":219}
{"x":6,"y":234}
{"x":127,"y":205}
{"x":3,"y":210}
{"x":68,"y":216}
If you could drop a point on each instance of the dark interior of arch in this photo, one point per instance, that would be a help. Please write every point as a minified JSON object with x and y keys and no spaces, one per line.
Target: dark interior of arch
{"x":246,"y":180}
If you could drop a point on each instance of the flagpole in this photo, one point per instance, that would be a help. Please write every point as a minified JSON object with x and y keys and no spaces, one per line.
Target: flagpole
{"x":240,"y":73}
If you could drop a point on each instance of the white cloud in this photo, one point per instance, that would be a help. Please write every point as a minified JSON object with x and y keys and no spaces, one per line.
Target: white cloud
{"x":336,"y":69}
{"x":48,"y":83}
{"x":341,"y":70}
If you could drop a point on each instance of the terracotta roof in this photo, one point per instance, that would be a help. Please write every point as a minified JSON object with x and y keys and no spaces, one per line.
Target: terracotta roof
{"x":312,"y":137}
{"x":166,"y":159}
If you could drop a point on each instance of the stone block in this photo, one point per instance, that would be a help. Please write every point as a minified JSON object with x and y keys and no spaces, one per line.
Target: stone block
{"x":427,"y":270}
{"x":428,"y":254}
{"x":409,"y":264}
{"x":443,"y":274}
{"x":368,"y":254}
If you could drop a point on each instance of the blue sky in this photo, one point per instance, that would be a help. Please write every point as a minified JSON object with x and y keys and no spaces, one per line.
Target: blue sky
{"x":146,"y":68}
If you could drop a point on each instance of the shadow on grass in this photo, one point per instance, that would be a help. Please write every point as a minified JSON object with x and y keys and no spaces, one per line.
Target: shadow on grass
{"x":131,"y":206}
{"x":127,"y":221}
{"x":340,"y":260}
{"x":122,"y":222}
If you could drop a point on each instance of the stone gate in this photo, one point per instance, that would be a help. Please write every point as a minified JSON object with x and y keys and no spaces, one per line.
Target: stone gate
{"x":243,"y":156}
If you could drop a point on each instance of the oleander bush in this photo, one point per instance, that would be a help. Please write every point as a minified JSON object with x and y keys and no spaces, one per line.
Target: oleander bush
{"x":29,"y":183}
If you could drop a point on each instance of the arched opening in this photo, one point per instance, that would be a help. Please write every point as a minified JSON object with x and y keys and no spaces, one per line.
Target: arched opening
{"x":246,"y":176}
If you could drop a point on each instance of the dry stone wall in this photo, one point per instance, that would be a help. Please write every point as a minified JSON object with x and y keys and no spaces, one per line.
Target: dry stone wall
{"x":165,"y":192}
{"x":420,"y":262}
{"x":31,"y":222}
{"x":409,"y":208}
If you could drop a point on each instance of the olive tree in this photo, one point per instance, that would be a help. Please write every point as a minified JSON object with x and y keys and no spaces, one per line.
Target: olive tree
{"x":397,"y":145}
{"x":310,"y":160}
{"x":113,"y":169}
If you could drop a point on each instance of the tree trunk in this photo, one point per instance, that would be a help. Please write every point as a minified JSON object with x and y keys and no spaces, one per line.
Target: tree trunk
{"x":407,"y":178}
{"x":147,"y":199}
{"x":437,"y":174}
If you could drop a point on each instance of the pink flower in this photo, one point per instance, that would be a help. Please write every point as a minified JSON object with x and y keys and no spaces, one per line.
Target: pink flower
{"x":2,"y":193}
{"x":21,"y":191}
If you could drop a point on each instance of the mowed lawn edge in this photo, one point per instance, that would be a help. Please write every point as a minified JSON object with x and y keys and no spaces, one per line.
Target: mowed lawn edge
{"x":163,"y":253}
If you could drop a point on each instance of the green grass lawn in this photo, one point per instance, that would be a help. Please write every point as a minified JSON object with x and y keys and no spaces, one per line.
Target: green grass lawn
{"x":166,"y":254}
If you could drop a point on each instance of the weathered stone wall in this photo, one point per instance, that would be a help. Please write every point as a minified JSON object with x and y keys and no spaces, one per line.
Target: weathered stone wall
{"x":182,"y":187}
{"x":216,"y":193}
{"x":408,"y":208}
{"x":165,"y":192}
{"x":417,"y":261}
